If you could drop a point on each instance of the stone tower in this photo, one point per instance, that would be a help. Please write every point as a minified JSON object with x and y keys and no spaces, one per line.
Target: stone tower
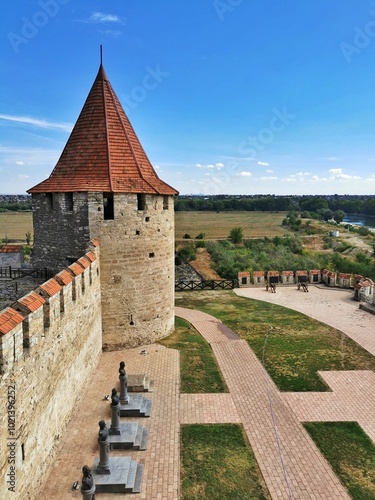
{"x":104,"y":187}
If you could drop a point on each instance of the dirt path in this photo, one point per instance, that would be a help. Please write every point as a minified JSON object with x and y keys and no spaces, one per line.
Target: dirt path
{"x":203,"y":265}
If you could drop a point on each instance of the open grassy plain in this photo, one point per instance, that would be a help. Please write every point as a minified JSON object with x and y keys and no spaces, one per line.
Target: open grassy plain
{"x":214,"y":225}
{"x":217,"y":225}
{"x":14,"y":225}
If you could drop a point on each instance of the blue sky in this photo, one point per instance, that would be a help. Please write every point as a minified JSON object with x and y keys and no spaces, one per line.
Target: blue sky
{"x":226,"y":96}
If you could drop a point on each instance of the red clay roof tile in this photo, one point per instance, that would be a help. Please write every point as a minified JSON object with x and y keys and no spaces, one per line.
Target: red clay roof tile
{"x":103,"y":152}
{"x":76,"y":269}
{"x":84,"y":262}
{"x":64,"y":278}
{"x":9,"y":319}
{"x":11,"y":249}
{"x":32,"y":301}
{"x":51,"y":287}
{"x":95,"y":242}
{"x":243,"y":274}
{"x":273,"y":273}
{"x":91,"y":256}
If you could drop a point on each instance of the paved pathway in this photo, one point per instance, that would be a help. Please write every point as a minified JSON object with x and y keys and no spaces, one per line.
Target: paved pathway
{"x":291,"y":464}
{"x":352,"y":400}
{"x":333,"y":306}
{"x":161,"y":479}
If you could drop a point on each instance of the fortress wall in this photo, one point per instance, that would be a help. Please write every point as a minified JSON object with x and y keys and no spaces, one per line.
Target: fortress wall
{"x":137,"y":268}
{"x":60,"y":229}
{"x":53,"y":343}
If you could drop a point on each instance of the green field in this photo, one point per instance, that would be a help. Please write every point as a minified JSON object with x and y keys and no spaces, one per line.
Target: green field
{"x":214,"y":225}
{"x":218,"y":225}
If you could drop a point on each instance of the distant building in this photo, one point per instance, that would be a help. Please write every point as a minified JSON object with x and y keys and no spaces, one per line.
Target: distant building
{"x":11,"y":255}
{"x":243,"y":279}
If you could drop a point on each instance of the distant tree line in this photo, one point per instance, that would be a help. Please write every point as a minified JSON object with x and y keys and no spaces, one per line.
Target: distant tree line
{"x":353,"y":204}
{"x":15,"y":203}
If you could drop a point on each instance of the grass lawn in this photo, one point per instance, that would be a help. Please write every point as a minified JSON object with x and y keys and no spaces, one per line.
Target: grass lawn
{"x":297,"y":346}
{"x":216,"y":462}
{"x":198,"y":368}
{"x":351,"y":454}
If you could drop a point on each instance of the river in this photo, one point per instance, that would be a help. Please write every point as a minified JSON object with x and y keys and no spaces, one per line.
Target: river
{"x":360,"y":220}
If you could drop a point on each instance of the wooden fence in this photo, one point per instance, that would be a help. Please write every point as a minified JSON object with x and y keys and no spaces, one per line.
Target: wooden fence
{"x":184,"y":285}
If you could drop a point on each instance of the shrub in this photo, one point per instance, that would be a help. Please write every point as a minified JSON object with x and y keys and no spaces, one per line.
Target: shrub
{"x":363,"y":231}
{"x":188,"y":252}
{"x":236,"y":235}
{"x":186,"y":236}
{"x":200,"y":244}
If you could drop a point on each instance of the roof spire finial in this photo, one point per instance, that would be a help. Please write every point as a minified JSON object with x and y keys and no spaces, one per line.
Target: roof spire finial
{"x":101,"y":55}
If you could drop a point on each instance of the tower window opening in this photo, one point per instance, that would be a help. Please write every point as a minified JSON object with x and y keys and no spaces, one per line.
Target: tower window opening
{"x":69,"y":202}
{"x":141,"y":200}
{"x":151,"y":255}
{"x":165,"y":202}
{"x":49,"y":197}
{"x":108,"y":206}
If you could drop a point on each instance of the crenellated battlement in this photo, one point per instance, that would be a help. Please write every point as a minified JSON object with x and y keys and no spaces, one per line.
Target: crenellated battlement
{"x":41,"y":313}
{"x":50,"y":341}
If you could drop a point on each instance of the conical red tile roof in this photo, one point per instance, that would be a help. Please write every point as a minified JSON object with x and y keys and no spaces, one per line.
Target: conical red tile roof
{"x":103,"y":152}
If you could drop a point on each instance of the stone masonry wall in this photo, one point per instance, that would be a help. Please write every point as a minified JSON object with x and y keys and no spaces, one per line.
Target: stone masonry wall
{"x":137,"y":268}
{"x":44,"y":382}
{"x":61,"y":231}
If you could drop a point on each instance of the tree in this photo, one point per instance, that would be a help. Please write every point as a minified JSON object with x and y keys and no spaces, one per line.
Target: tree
{"x":339,"y":216}
{"x":236,"y":235}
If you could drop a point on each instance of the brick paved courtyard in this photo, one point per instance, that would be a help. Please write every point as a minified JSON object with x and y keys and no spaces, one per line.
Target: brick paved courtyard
{"x":290,"y":462}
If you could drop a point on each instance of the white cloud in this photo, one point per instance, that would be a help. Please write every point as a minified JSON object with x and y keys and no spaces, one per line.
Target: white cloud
{"x":36,"y":122}
{"x":20,"y":163}
{"x":245,"y":174}
{"x":22,"y":177}
{"x":337,"y":174}
{"x":100,"y":17}
{"x":263,"y":163}
{"x":269,"y":171}
{"x":302,"y":174}
{"x":269,"y":178}
{"x":211,"y":166}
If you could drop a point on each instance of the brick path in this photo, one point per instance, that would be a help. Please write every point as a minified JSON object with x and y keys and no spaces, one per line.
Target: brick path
{"x":161,"y":479}
{"x":352,"y":400}
{"x":291,"y":464}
